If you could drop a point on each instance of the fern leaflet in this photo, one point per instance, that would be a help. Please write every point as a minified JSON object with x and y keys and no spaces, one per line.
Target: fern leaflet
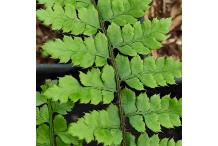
{"x":144,"y":140}
{"x":65,"y":18}
{"x":149,"y":72}
{"x":99,"y":87}
{"x":83,"y":53}
{"x":153,"y":112}
{"x":98,"y":125}
{"x":139,"y":38}
{"x":122,"y":12}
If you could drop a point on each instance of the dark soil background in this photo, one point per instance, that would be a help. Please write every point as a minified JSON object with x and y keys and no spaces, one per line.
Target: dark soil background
{"x":171,"y":47}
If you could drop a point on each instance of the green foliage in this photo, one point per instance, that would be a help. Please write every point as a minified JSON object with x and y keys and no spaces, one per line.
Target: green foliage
{"x":148,"y":72}
{"x":122,"y":12}
{"x":59,"y":123}
{"x":99,"y":87}
{"x":91,"y":32}
{"x":77,"y":3}
{"x":102,"y":126}
{"x":40,"y":99}
{"x":144,"y":140}
{"x":139,"y":38}
{"x":152,"y":112}
{"x":83,"y":53}
{"x":63,"y":16}
{"x":42,"y":115}
{"x":42,"y":134}
{"x":62,"y":108}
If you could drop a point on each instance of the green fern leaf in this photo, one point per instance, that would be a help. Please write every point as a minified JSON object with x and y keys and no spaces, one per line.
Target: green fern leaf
{"x":153,"y":112}
{"x":83,"y":53}
{"x":50,"y":3}
{"x":60,"y":129}
{"x":48,"y":83}
{"x":130,"y":140}
{"x":145,"y":140}
{"x":65,"y":18}
{"x":137,"y":122}
{"x":59,"y":142}
{"x":60,"y":124}
{"x":98,"y":126}
{"x":62,"y":108}
{"x":90,"y":49}
{"x":66,"y":87}
{"x":69,"y":139}
{"x":149,"y":72}
{"x":139,"y":38}
{"x":42,"y":115}
{"x":99,"y":87}
{"x":122,"y":12}
{"x":42,"y":138}
{"x":40,"y":99}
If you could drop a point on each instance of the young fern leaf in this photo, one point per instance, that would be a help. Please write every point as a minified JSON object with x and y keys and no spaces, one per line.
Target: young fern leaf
{"x":149,"y":72}
{"x":153,"y":112}
{"x":145,"y":140}
{"x":65,"y":18}
{"x":102,"y":126}
{"x":97,"y":87}
{"x":83,"y":53}
{"x":122,"y":12}
{"x":139,"y":38}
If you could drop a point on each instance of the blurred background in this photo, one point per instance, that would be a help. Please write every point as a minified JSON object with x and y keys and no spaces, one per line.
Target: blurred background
{"x":159,"y":9}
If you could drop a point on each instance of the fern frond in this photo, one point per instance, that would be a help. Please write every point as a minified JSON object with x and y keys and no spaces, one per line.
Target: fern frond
{"x":99,"y":87}
{"x":149,"y":72}
{"x":102,"y":126}
{"x":145,"y":140}
{"x":122,"y":12}
{"x":87,"y":47}
{"x":65,"y":18}
{"x":83,"y":53}
{"x":152,"y":112}
{"x":139,"y":38}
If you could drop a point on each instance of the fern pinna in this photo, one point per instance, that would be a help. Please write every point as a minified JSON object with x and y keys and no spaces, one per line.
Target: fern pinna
{"x":112,"y":48}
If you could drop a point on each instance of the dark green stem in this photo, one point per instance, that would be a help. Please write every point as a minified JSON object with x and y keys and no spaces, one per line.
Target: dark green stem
{"x":117,"y":78}
{"x":51,"y":127}
{"x":118,"y":95}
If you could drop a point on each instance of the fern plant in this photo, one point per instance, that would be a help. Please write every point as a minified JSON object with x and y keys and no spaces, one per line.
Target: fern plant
{"x":112,"y":48}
